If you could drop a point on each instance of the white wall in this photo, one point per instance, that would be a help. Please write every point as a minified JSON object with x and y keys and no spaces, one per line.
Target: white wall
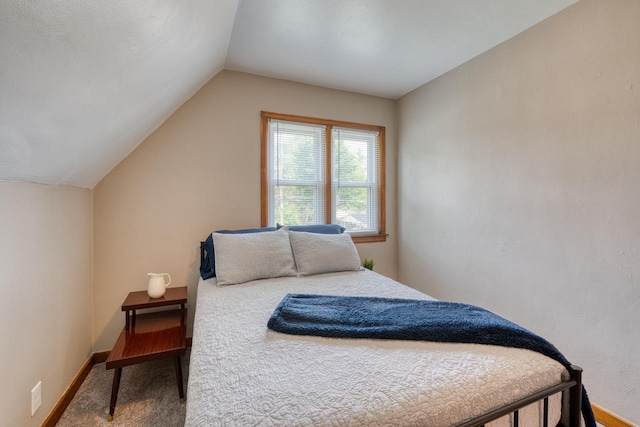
{"x":199,"y":172}
{"x":519,"y":189}
{"x":45,"y":283}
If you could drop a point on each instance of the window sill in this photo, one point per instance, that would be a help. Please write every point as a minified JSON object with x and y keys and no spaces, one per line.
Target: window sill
{"x":369,"y":238}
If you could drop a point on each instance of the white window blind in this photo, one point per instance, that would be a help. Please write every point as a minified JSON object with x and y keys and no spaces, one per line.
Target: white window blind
{"x":297,"y":164}
{"x":355,"y":179}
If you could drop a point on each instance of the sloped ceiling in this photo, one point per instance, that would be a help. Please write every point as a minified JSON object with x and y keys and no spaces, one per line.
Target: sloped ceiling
{"x":83,"y":83}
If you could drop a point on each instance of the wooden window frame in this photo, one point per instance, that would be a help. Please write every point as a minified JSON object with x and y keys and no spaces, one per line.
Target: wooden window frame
{"x":381,"y":235}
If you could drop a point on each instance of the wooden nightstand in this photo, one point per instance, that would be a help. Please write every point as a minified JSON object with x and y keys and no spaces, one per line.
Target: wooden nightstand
{"x":150,"y":336}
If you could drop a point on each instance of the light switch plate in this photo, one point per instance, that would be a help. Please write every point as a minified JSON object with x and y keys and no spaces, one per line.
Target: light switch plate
{"x":36,"y":397}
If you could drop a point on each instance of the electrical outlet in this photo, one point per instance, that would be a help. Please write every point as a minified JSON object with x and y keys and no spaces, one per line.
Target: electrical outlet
{"x":36,"y":397}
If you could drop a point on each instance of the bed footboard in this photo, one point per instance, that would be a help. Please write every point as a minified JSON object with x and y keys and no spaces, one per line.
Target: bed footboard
{"x":573,"y":385}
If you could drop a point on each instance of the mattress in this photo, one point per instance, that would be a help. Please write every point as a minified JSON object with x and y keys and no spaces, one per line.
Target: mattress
{"x":241,"y":373}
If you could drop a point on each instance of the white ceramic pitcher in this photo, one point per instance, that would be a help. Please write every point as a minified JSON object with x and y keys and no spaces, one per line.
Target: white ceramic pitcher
{"x":157,"y":286}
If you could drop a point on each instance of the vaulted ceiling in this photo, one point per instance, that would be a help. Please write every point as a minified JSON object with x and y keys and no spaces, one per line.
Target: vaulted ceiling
{"x":83,"y":83}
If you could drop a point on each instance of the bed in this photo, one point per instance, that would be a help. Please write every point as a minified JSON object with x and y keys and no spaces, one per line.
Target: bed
{"x":241,"y":373}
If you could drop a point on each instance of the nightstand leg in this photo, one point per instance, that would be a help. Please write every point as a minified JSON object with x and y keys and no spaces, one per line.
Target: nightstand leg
{"x":114,"y":392}
{"x":179,"y":377}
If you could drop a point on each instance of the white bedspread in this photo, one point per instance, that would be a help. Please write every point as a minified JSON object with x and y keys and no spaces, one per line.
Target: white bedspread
{"x":242,"y":374}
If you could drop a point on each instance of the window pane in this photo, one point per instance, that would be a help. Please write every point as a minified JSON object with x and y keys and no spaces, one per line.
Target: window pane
{"x":298,"y":151}
{"x":297,"y":169}
{"x":354,"y":155}
{"x":355,"y":190}
{"x":297,"y":205}
{"x":352,"y":208}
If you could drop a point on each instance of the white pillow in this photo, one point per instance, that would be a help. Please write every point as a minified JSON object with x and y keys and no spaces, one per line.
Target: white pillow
{"x":244,"y":257}
{"x":323,"y":253}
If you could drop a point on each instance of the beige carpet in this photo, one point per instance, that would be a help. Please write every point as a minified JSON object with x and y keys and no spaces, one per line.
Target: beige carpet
{"x":148,"y":397}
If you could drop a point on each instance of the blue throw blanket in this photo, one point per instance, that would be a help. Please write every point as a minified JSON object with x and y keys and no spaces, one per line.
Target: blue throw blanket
{"x":407,"y":319}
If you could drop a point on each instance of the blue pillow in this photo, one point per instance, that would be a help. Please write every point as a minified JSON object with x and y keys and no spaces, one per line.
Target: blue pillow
{"x":208,"y":264}
{"x":316,"y":228}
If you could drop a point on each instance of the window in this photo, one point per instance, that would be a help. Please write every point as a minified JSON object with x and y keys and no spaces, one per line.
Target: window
{"x":317,"y":171}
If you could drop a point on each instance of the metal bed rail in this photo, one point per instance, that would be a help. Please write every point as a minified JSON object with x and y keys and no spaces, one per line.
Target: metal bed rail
{"x":573,"y":384}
